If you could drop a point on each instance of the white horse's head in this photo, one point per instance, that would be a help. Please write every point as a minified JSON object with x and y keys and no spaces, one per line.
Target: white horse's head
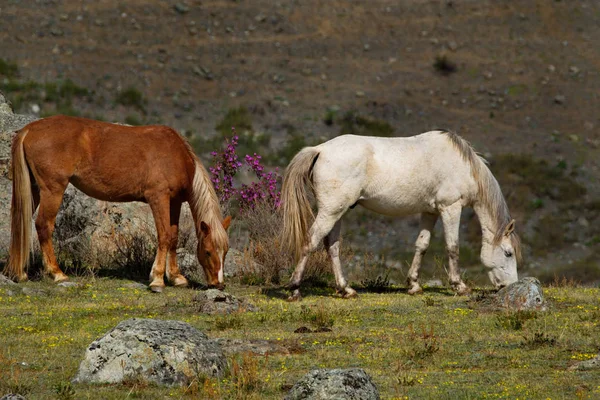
{"x":501,"y":256}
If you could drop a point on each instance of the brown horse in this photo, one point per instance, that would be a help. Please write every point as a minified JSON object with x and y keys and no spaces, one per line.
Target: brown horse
{"x":111,"y":162}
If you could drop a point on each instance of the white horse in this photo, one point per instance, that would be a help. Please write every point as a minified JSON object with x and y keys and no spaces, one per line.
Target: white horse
{"x":435,"y":174}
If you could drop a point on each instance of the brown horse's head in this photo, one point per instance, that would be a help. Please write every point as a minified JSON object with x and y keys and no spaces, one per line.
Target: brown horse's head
{"x":211,"y":255}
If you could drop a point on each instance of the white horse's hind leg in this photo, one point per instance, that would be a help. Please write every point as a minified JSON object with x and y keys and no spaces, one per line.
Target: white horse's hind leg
{"x":320,"y":228}
{"x":451,"y":219}
{"x":427,"y":224}
{"x":332,"y":245}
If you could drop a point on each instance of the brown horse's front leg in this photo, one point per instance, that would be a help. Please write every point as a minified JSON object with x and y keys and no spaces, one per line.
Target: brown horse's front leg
{"x":44,"y":224}
{"x":173,"y":273}
{"x":160,"y":210}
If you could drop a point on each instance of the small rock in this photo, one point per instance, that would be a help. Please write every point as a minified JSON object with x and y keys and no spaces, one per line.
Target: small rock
{"x":5,"y":281}
{"x":559,"y":99}
{"x":573,"y":70}
{"x":574,"y":138}
{"x":27,"y":291}
{"x":586,"y":365}
{"x":214,"y":301}
{"x":452,"y":45}
{"x":523,"y":295}
{"x":68,"y":284}
{"x":181,"y":8}
{"x":334,"y":384}
{"x":35,"y":108}
{"x":551,"y":68}
{"x":360,"y":93}
{"x":256,"y":346}
{"x":366,"y":47}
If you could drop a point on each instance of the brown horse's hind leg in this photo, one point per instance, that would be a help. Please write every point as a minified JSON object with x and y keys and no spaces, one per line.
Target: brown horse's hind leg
{"x":49,"y":203}
{"x":173,"y":272}
{"x":160,"y":211}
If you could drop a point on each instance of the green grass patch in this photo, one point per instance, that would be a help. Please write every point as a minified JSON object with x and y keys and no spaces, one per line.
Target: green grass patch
{"x":355,"y":124}
{"x":411,"y":347}
{"x":132,"y":97}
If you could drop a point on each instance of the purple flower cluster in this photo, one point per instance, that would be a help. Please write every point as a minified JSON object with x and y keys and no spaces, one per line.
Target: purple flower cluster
{"x":265,"y":190}
{"x":226,"y":165}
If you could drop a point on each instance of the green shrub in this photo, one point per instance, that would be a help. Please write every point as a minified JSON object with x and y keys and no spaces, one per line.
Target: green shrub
{"x":8,"y":69}
{"x":131,"y":97}
{"x":355,"y":124}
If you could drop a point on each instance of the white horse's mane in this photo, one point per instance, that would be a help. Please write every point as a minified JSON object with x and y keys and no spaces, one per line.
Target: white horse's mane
{"x":489,"y":192}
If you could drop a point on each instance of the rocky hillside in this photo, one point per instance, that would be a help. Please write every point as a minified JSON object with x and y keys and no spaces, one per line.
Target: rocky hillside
{"x":519,"y":80}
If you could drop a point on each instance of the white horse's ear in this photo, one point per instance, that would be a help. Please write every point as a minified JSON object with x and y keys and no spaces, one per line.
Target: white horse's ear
{"x":509,"y":228}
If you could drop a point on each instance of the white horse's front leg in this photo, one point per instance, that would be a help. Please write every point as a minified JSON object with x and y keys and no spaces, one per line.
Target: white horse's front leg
{"x":332,"y":245}
{"x":421,"y":245}
{"x":451,"y":219}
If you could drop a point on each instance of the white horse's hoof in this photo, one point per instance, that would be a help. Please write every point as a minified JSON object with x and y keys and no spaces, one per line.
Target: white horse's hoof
{"x":349,"y":293}
{"x":461,"y":289}
{"x":296,"y":296}
{"x":415,"y":289}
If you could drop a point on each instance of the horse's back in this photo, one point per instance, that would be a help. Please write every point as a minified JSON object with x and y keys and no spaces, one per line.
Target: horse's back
{"x":109,"y":161}
{"x":398,"y":176}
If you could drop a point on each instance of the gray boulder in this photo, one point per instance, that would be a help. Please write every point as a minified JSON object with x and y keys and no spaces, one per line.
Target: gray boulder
{"x":214,"y":301}
{"x":12,"y":396}
{"x":163,"y":352}
{"x":334,"y":384}
{"x":523,"y":295}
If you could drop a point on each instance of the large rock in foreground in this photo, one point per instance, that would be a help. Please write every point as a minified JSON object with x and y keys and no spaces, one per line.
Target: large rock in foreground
{"x":334,"y":384}
{"x":163,"y":352}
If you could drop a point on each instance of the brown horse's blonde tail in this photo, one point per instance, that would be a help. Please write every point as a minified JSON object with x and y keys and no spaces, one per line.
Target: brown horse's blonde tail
{"x":21,"y":212}
{"x":297,"y":212}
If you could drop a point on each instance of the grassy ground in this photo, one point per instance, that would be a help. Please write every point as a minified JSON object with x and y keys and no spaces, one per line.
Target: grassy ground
{"x":429,"y":346}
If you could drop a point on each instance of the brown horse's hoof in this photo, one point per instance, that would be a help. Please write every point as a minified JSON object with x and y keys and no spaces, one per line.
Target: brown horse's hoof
{"x":180,"y":282}
{"x":157,"y":289}
{"x":58,"y":278}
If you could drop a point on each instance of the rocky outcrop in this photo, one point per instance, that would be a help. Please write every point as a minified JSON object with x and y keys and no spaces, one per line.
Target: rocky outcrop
{"x":214,"y":301}
{"x":334,"y":384}
{"x":162,"y":352}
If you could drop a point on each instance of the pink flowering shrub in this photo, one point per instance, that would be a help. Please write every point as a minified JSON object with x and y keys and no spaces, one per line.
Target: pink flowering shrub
{"x":226,"y":165}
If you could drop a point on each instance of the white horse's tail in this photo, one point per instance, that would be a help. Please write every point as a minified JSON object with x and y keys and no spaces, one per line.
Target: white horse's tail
{"x":297,"y":212}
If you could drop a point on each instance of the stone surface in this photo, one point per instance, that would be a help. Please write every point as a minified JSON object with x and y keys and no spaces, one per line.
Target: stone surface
{"x":162,"y":352}
{"x":334,"y":384}
{"x":586,"y":365}
{"x":12,"y":396}
{"x":214,"y":301}
{"x":5,"y":281}
{"x":523,"y":295}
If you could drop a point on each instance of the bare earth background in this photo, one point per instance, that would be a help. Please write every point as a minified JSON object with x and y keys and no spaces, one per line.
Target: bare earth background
{"x":525,"y":92}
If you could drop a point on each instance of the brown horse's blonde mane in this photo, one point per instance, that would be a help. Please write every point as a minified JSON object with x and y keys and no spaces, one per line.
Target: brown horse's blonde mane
{"x":489,"y":192}
{"x":204,"y":203}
